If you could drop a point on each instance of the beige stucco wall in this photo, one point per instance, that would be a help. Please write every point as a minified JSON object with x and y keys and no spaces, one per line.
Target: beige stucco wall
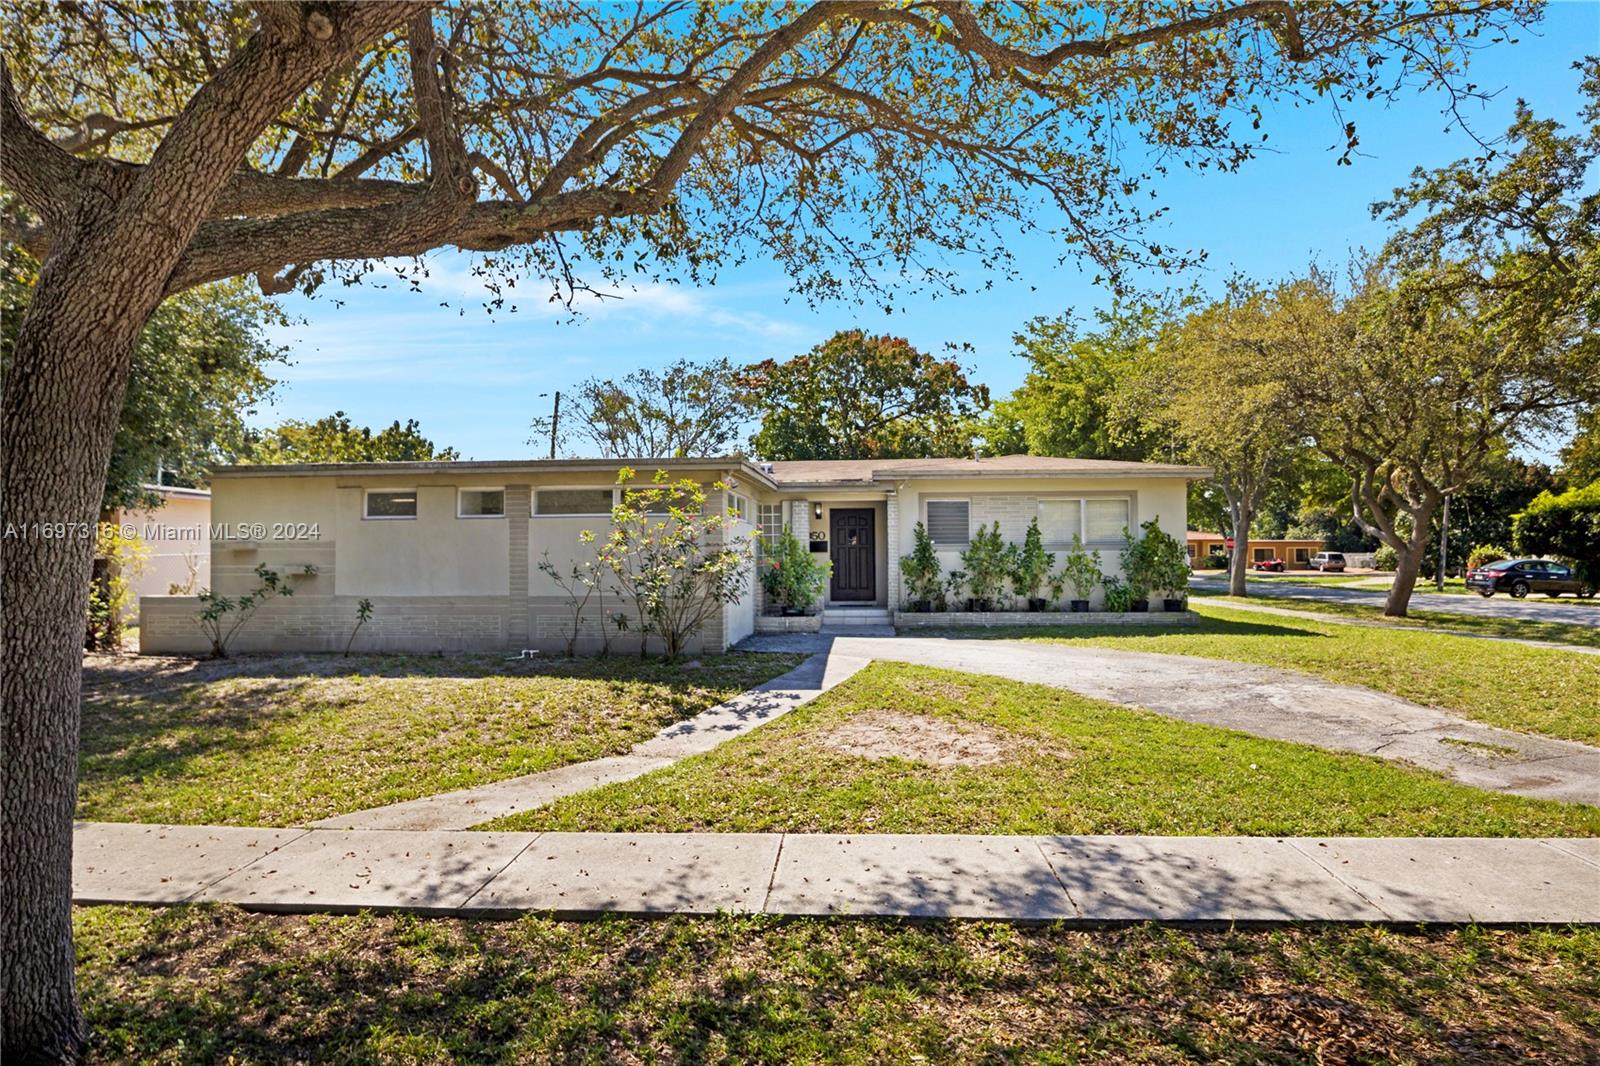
{"x":176,"y":545}
{"x":1014,"y":503}
{"x":439,"y":582}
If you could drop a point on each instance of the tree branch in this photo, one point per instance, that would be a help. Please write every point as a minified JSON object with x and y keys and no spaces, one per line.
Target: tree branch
{"x":40,"y":172}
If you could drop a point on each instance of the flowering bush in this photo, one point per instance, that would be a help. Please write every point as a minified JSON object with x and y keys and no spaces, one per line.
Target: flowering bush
{"x":672,"y":558}
{"x":792,"y":576}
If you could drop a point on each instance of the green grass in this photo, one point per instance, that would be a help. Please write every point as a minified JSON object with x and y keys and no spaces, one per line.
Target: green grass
{"x":1532,"y":690}
{"x":284,"y":740}
{"x":1061,"y":764}
{"x":1516,"y":628}
{"x":213,"y":984}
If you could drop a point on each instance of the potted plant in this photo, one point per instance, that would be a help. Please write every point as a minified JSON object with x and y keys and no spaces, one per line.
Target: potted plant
{"x":1168,"y":564}
{"x":1082,"y":572}
{"x":924,"y":585}
{"x":953,"y":584}
{"x":1030,"y":567}
{"x":1136,"y":570}
{"x":985,"y":560}
{"x":1119,"y":597}
{"x":791,"y":576}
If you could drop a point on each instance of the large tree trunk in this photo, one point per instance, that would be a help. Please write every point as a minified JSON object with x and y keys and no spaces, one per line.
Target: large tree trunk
{"x":1405,"y":580}
{"x":62,"y":396}
{"x":1241,"y":513}
{"x":1408,"y":564}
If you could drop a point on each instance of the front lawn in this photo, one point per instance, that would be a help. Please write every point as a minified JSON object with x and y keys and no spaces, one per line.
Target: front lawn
{"x":906,"y":749}
{"x":1532,"y":690}
{"x":1484,"y":625}
{"x":290,"y":739}
{"x":213,"y":984}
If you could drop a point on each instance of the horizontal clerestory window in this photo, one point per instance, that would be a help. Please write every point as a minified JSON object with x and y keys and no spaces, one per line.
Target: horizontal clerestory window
{"x":481,"y":503}
{"x":391,"y":503}
{"x":573,"y":501}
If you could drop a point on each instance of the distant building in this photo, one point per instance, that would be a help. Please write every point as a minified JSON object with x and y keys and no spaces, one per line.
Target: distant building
{"x":176,"y":543}
{"x":1294,"y":553}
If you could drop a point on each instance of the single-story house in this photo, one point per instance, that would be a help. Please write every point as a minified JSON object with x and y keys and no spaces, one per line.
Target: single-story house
{"x":448,"y":552}
{"x":1296,"y":554}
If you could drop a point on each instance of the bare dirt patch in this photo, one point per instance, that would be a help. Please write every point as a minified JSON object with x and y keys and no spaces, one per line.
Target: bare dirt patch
{"x":935,"y":741}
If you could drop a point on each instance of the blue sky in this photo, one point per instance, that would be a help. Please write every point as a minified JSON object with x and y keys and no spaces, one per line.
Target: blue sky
{"x":474,"y":380}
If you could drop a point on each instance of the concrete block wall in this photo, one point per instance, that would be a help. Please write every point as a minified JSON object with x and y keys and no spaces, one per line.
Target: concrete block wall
{"x":419,"y":625}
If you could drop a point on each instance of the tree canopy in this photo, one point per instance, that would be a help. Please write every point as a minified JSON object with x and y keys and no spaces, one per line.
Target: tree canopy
{"x":335,"y":439}
{"x":1475,"y":331}
{"x":201,"y":366}
{"x":860,"y":397}
{"x":1080,"y":395}
{"x":686,"y":408}
{"x":850,"y":141}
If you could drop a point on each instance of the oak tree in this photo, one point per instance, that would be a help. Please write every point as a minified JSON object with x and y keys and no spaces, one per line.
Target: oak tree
{"x":335,"y":439}
{"x":1475,"y":332}
{"x":856,"y":396}
{"x":147,"y":149}
{"x":1217,"y":391}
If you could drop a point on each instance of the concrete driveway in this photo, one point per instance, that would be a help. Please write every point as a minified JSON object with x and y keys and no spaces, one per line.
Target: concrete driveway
{"x":1261,"y":700}
{"x":1535,"y":608}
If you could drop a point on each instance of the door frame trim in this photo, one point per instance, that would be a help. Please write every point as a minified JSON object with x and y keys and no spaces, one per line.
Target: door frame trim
{"x":871,"y":512}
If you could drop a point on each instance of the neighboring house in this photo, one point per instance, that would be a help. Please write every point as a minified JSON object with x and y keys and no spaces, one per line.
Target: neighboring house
{"x":175,"y":542}
{"x":448,"y":552}
{"x":1296,"y":554}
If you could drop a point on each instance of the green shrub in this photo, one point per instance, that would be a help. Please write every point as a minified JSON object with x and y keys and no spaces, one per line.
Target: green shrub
{"x":985,"y":560}
{"x":1030,"y":564}
{"x":1082,"y":570}
{"x":1566,"y":526}
{"x":793,"y":576}
{"x":921,"y":571}
{"x":1166,"y":561}
{"x":1138,"y":569}
{"x":1484,"y":554}
{"x":1210,"y":562}
{"x":1386,"y":558}
{"x":1119,"y":595}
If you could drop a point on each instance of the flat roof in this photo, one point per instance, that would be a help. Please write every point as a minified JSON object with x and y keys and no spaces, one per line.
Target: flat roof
{"x":782,"y":474}
{"x":860,"y":471}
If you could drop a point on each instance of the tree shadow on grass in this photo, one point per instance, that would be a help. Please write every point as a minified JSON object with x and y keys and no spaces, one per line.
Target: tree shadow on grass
{"x":155,"y":718}
{"x":203,"y":983}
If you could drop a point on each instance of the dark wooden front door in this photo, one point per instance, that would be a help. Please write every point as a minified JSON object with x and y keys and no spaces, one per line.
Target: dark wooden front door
{"x":854,"y":556}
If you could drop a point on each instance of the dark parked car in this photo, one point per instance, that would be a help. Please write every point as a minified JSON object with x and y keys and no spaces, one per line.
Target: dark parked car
{"x":1522,"y":576}
{"x":1272,"y":566}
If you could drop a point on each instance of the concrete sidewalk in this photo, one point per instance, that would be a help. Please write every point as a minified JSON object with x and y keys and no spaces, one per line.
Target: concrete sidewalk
{"x":1082,"y":880}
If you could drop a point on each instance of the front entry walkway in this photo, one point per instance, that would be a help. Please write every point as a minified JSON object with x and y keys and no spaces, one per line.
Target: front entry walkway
{"x":1266,"y":702}
{"x":1076,"y":880}
{"x":468,"y":807}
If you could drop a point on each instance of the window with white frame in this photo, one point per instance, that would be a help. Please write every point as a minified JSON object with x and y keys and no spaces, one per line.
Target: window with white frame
{"x":769,"y":519}
{"x":740,"y":506}
{"x":1060,"y":520}
{"x":1104,"y":520}
{"x":390,"y":503}
{"x":573,"y":501}
{"x":1096,"y":520}
{"x":950,"y":522}
{"x":481,"y":503}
